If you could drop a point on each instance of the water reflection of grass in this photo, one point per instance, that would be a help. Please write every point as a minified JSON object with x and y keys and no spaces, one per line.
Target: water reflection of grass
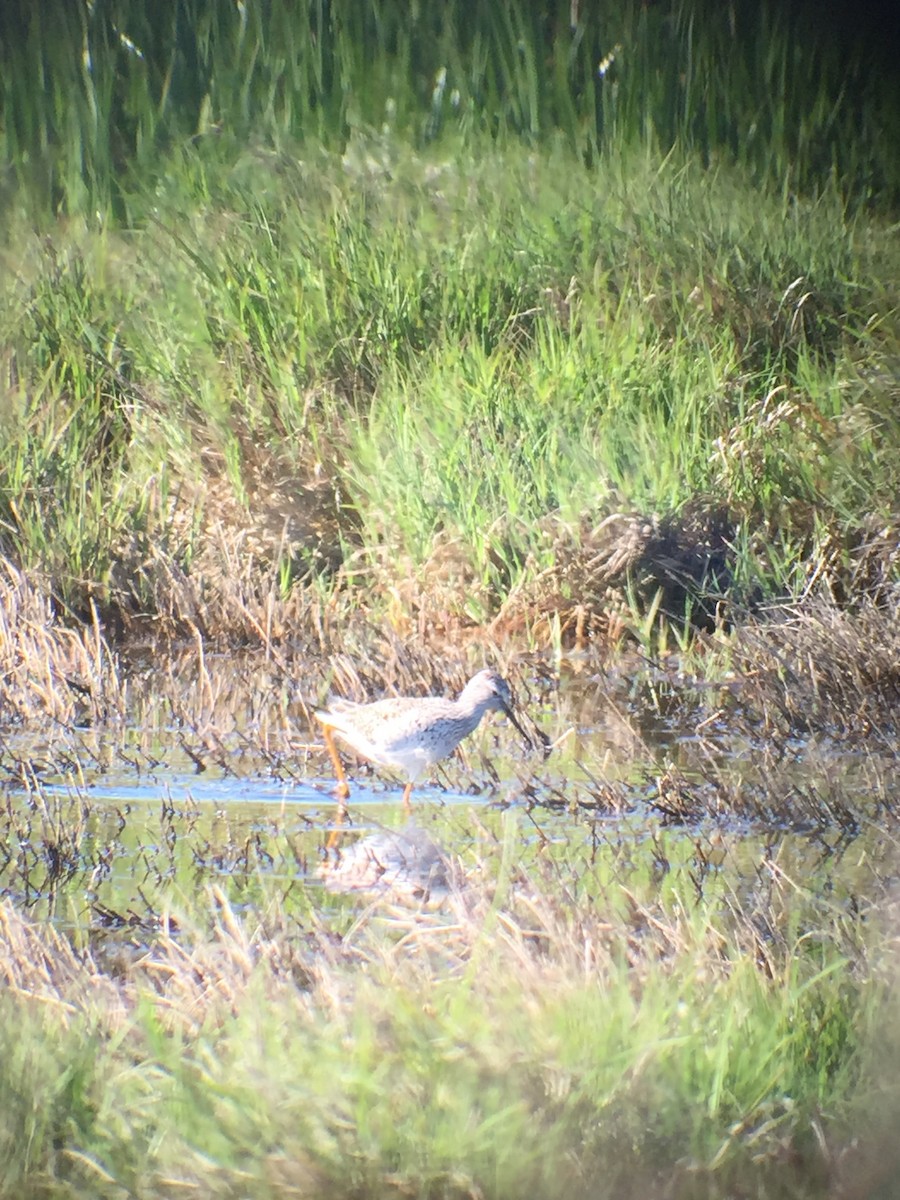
{"x":676,"y":1014}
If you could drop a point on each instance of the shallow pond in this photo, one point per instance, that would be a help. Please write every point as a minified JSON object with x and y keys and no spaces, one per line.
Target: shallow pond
{"x":651,"y":776}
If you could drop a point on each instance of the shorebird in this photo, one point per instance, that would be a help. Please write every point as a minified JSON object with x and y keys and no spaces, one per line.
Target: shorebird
{"x":409,"y":733}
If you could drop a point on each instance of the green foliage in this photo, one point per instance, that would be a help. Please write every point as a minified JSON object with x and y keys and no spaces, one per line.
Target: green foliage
{"x":480,"y":344}
{"x":51,"y":1087}
{"x":791,"y":98}
{"x":436,"y":255}
{"x":654,"y":355}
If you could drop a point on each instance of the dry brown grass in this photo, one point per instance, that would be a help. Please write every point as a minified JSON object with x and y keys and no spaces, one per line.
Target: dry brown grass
{"x":609,"y":574}
{"x":193,"y":976}
{"x":825,"y":669}
{"x":40,"y":964}
{"x":50,"y":670}
{"x":546,"y":927}
{"x":236,"y":561}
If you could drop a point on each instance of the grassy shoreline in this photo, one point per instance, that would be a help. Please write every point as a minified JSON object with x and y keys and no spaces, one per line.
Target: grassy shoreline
{"x":673,"y":980}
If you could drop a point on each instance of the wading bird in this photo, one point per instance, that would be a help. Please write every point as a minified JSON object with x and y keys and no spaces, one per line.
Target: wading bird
{"x":409,"y":733}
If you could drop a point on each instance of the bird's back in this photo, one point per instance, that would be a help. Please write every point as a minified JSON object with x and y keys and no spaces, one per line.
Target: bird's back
{"x":402,"y":732}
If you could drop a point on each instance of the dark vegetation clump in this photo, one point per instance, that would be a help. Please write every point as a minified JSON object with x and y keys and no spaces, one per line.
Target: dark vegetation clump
{"x":825,"y":670}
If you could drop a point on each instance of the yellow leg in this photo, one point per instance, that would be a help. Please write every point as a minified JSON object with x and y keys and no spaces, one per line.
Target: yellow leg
{"x":407,"y":791}
{"x":342,"y":791}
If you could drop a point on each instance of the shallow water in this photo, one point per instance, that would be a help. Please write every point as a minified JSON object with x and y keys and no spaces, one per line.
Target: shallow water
{"x":111,"y":825}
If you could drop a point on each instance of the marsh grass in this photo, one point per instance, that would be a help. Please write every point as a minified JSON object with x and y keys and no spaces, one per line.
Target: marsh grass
{"x":52,"y":674}
{"x":418,"y":1049}
{"x":722,"y":724}
{"x":599,"y":79}
{"x":352,"y":385}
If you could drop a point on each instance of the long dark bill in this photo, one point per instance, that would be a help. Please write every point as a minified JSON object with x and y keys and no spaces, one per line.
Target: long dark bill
{"x":532,"y":742}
